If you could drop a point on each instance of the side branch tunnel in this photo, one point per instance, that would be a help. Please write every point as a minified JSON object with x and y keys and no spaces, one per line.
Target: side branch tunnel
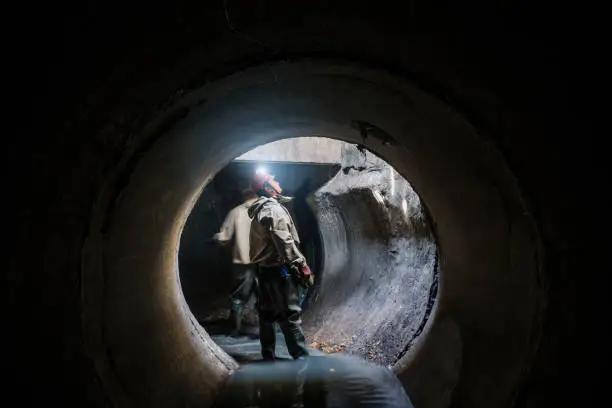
{"x":380,"y":261}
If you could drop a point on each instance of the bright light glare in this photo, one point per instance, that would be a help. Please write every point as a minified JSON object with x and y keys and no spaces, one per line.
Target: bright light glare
{"x":404,"y":206}
{"x":261,"y":170}
{"x":378,"y":197}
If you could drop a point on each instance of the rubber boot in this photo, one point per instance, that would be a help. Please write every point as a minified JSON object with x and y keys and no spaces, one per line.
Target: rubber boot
{"x":236,"y":319}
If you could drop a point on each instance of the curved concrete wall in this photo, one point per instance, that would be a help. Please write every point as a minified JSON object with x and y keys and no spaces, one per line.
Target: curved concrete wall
{"x":465,"y":185}
{"x":91,"y":80}
{"x":380,"y":261}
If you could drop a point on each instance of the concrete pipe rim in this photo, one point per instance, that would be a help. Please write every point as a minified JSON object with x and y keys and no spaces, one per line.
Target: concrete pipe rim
{"x":460,"y":176}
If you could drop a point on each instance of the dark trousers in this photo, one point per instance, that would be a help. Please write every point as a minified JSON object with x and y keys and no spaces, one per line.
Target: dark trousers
{"x":245,"y":284}
{"x":279,"y":302}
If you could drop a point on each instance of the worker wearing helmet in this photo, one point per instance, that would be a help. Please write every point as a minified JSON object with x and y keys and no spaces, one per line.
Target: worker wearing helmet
{"x":281,"y":268}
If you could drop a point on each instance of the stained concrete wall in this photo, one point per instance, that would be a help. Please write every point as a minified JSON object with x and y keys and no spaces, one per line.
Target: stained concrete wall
{"x":380,"y":266}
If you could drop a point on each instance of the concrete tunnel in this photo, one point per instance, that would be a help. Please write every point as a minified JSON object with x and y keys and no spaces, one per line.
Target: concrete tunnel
{"x":132,"y":116}
{"x":462,"y":182}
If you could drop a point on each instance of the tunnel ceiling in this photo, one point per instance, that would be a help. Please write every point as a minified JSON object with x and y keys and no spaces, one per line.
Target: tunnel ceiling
{"x":307,"y":149}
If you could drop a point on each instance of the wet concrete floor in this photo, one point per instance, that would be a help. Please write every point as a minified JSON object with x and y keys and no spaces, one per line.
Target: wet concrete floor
{"x":321,"y":380}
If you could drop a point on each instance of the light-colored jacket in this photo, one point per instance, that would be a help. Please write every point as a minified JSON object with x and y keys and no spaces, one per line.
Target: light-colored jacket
{"x":237,"y":225}
{"x":274,"y":238}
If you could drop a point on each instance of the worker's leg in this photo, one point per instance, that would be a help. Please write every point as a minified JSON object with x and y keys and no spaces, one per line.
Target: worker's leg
{"x":267,"y":316}
{"x":251,"y":290}
{"x":290,"y":318}
{"x":244,"y":278}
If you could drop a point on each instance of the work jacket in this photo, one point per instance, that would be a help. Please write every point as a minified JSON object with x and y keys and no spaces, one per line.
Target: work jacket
{"x":273,"y":237}
{"x":237,"y":225}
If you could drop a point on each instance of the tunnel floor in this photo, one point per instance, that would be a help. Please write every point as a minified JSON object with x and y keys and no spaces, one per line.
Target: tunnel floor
{"x":245,"y":348}
{"x":322,"y":380}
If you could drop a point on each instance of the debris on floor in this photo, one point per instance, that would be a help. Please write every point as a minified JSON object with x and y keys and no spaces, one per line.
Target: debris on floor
{"x":327,"y":348}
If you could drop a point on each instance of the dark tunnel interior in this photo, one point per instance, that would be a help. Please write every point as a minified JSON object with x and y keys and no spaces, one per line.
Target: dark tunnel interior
{"x":125,"y":116}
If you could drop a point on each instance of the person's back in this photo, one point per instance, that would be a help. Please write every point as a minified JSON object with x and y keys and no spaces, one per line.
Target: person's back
{"x":281,"y":266}
{"x":237,"y":226}
{"x":269,"y":215}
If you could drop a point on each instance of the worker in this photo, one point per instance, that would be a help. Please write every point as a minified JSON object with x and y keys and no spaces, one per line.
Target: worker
{"x":281,"y":268}
{"x":236,"y":227}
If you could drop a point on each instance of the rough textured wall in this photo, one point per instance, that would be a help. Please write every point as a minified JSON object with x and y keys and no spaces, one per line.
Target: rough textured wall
{"x":380,"y":260}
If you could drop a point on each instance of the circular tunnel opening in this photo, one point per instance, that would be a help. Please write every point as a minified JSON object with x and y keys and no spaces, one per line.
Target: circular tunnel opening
{"x":363,"y":231}
{"x":148,"y":346}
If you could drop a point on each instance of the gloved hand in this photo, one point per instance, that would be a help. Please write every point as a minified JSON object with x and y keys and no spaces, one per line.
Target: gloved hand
{"x":304,"y":275}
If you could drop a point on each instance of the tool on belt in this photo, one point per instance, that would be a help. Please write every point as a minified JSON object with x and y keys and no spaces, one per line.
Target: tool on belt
{"x":302,"y":274}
